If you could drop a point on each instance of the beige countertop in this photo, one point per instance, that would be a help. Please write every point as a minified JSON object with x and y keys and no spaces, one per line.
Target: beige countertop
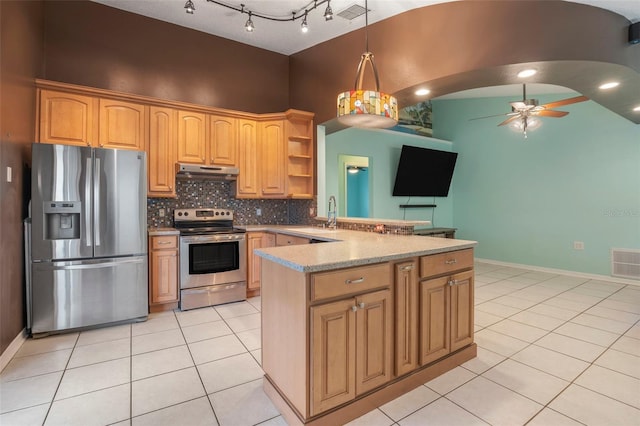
{"x":350,"y":248}
{"x":154,"y":232}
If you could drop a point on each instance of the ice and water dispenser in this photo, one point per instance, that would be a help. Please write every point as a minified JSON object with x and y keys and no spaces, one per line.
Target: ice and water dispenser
{"x":62,"y":220}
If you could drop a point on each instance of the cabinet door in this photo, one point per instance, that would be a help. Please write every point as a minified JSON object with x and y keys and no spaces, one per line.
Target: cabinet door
{"x":223,"y":141}
{"x":66,"y":118}
{"x":247,"y":183}
{"x":191,"y":137}
{"x":254,"y":241}
{"x":461,"y":286}
{"x":162,"y":137}
{"x":434,"y":319}
{"x":333,"y":354}
{"x":272,"y":158}
{"x":164,"y":276}
{"x":406,"y":302}
{"x":122,"y":125}
{"x":374,"y":323}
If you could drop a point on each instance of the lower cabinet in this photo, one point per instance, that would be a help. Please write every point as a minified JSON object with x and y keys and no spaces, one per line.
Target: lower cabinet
{"x":163,"y":273}
{"x":256,"y":240}
{"x":351,"y":342}
{"x":406,"y":327}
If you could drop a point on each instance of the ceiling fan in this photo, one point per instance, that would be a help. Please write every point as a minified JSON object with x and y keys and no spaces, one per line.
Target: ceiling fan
{"x":524,"y":113}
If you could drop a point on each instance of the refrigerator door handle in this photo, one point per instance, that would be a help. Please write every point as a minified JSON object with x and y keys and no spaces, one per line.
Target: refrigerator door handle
{"x":96,"y":200}
{"x":96,"y":265}
{"x":87,"y":204}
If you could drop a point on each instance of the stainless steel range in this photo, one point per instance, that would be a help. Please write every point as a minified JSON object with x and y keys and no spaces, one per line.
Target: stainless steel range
{"x":213,"y":258}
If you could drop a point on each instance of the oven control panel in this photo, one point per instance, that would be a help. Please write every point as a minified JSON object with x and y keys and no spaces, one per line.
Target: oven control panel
{"x":205,"y":215}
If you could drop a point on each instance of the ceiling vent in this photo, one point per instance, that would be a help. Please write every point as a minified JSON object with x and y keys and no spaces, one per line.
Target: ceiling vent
{"x":352,"y":12}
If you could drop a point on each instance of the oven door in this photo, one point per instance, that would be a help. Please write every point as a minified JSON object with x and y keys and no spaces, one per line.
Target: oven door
{"x":207,"y":260}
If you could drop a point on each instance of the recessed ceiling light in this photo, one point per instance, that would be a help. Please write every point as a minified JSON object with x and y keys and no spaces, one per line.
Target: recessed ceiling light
{"x":637,"y":109}
{"x":609,"y":85}
{"x":527,"y":73}
{"x":422,"y":92}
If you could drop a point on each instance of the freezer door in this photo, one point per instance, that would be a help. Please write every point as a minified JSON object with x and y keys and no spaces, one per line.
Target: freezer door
{"x":61,"y":186}
{"x":120,"y":202}
{"x":67,"y":295}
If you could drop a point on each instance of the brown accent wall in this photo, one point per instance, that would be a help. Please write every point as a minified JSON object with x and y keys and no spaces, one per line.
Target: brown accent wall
{"x":454,"y":42}
{"x":20,"y":62}
{"x":94,"y":45}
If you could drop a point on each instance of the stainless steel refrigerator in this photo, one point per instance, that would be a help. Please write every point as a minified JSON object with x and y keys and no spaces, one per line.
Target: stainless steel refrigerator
{"x":88,"y":246}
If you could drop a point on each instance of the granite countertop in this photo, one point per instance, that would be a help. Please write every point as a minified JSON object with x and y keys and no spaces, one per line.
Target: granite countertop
{"x":351,"y":248}
{"x":154,"y":232}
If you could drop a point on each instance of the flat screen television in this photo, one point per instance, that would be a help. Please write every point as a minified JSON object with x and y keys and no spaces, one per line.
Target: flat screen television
{"x":424,"y":172}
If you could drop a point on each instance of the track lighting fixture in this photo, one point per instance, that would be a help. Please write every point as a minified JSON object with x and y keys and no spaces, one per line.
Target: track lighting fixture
{"x":189,"y":7}
{"x":249,"y":24}
{"x":328,"y":13}
{"x":304,"y":27}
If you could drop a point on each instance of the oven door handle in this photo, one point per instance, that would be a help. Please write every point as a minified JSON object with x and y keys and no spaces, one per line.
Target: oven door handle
{"x":204,"y":239}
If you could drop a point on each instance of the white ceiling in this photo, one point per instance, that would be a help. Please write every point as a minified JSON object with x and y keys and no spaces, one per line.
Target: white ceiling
{"x":286,"y":37}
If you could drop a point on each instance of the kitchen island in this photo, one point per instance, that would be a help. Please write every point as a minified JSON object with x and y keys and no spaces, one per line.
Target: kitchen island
{"x":353,"y":323}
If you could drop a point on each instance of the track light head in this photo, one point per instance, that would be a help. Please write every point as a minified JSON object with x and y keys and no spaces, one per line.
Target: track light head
{"x":189,"y":7}
{"x":328,"y":13}
{"x":249,"y":25}
{"x":304,"y":27}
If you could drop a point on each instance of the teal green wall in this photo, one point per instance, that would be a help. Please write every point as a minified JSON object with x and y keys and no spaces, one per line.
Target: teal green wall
{"x":526,"y":201}
{"x":383,"y":148}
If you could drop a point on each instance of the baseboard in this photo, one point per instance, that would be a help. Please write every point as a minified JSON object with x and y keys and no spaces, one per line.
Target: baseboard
{"x":608,"y":278}
{"x":13,"y":348}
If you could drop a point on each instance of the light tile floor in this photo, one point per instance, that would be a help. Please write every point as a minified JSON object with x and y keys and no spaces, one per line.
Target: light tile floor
{"x":552,"y":350}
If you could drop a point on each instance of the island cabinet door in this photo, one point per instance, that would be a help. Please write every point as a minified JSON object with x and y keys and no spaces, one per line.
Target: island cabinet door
{"x":434,"y":319}
{"x":406,"y":314}
{"x":374,"y":324}
{"x":461,"y":286}
{"x":333,"y":354}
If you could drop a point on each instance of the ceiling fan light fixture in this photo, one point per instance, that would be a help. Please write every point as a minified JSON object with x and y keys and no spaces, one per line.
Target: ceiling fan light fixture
{"x":422,"y":92}
{"x":609,"y":85}
{"x":367,"y":108}
{"x":527,"y":73}
{"x":637,"y":109}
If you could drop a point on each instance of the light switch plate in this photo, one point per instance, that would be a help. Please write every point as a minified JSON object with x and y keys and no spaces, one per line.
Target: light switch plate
{"x":9,"y":174}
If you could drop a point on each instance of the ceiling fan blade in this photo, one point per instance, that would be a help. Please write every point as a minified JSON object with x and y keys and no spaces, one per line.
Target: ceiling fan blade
{"x":509,"y":120}
{"x":491,"y":116}
{"x":550,"y":113}
{"x":565,"y":102}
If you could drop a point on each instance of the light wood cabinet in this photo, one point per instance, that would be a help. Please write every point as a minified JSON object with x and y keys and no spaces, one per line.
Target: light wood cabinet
{"x":163,"y":273}
{"x":300,"y":154}
{"x":406,"y":324}
{"x":122,"y":125}
{"x":271,"y":161}
{"x":446,"y":304}
{"x":161,"y":153}
{"x":351,"y":341}
{"x":256,"y":240}
{"x":67,"y":118}
{"x":248,"y":179}
{"x":191,"y":137}
{"x":223,"y":140}
{"x":290,"y":240}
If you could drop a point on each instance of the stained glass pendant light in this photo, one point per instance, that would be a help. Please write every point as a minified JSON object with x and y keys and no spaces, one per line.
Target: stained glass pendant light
{"x":367,"y":108}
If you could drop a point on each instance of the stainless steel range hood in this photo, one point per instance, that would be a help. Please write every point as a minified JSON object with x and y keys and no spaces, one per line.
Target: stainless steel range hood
{"x":194,"y":171}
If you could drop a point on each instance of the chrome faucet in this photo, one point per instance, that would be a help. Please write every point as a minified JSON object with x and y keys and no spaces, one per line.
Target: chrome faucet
{"x":332,"y":215}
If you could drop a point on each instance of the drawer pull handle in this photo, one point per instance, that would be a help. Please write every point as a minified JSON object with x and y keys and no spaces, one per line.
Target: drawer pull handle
{"x":356,"y":281}
{"x":406,"y":268}
{"x":354,"y":308}
{"x":450,"y":262}
{"x":453,"y":282}
{"x":361,"y":305}
{"x":164,"y":242}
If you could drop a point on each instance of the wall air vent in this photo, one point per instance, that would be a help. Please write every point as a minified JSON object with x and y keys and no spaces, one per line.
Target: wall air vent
{"x":352,"y":12}
{"x":625,"y":263}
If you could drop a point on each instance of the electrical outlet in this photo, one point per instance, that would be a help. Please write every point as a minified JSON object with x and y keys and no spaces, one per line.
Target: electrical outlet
{"x":161,"y":212}
{"x":578,"y":245}
{"x":258,"y":212}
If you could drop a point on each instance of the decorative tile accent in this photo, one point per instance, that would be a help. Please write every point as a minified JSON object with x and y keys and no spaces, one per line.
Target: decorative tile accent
{"x":220,"y":194}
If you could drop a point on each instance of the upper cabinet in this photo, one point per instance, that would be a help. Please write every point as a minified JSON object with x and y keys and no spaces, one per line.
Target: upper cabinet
{"x":122,"y":124}
{"x":273,"y":152}
{"x":66,"y":118}
{"x":191,"y":137}
{"x":223,"y":140}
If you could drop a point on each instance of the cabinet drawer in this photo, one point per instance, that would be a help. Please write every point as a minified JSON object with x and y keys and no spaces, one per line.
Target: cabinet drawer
{"x":349,"y":281}
{"x":290,"y":240}
{"x":165,"y":242}
{"x":444,"y":263}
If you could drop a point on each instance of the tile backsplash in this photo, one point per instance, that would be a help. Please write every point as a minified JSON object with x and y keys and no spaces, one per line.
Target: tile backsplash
{"x":220,"y":194}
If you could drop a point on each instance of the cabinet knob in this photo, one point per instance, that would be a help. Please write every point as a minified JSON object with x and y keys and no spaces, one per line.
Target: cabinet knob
{"x":356,"y":281}
{"x":354,"y":308}
{"x":361,"y":305}
{"x":406,"y":268}
{"x":453,"y":282}
{"x":451,"y":262}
